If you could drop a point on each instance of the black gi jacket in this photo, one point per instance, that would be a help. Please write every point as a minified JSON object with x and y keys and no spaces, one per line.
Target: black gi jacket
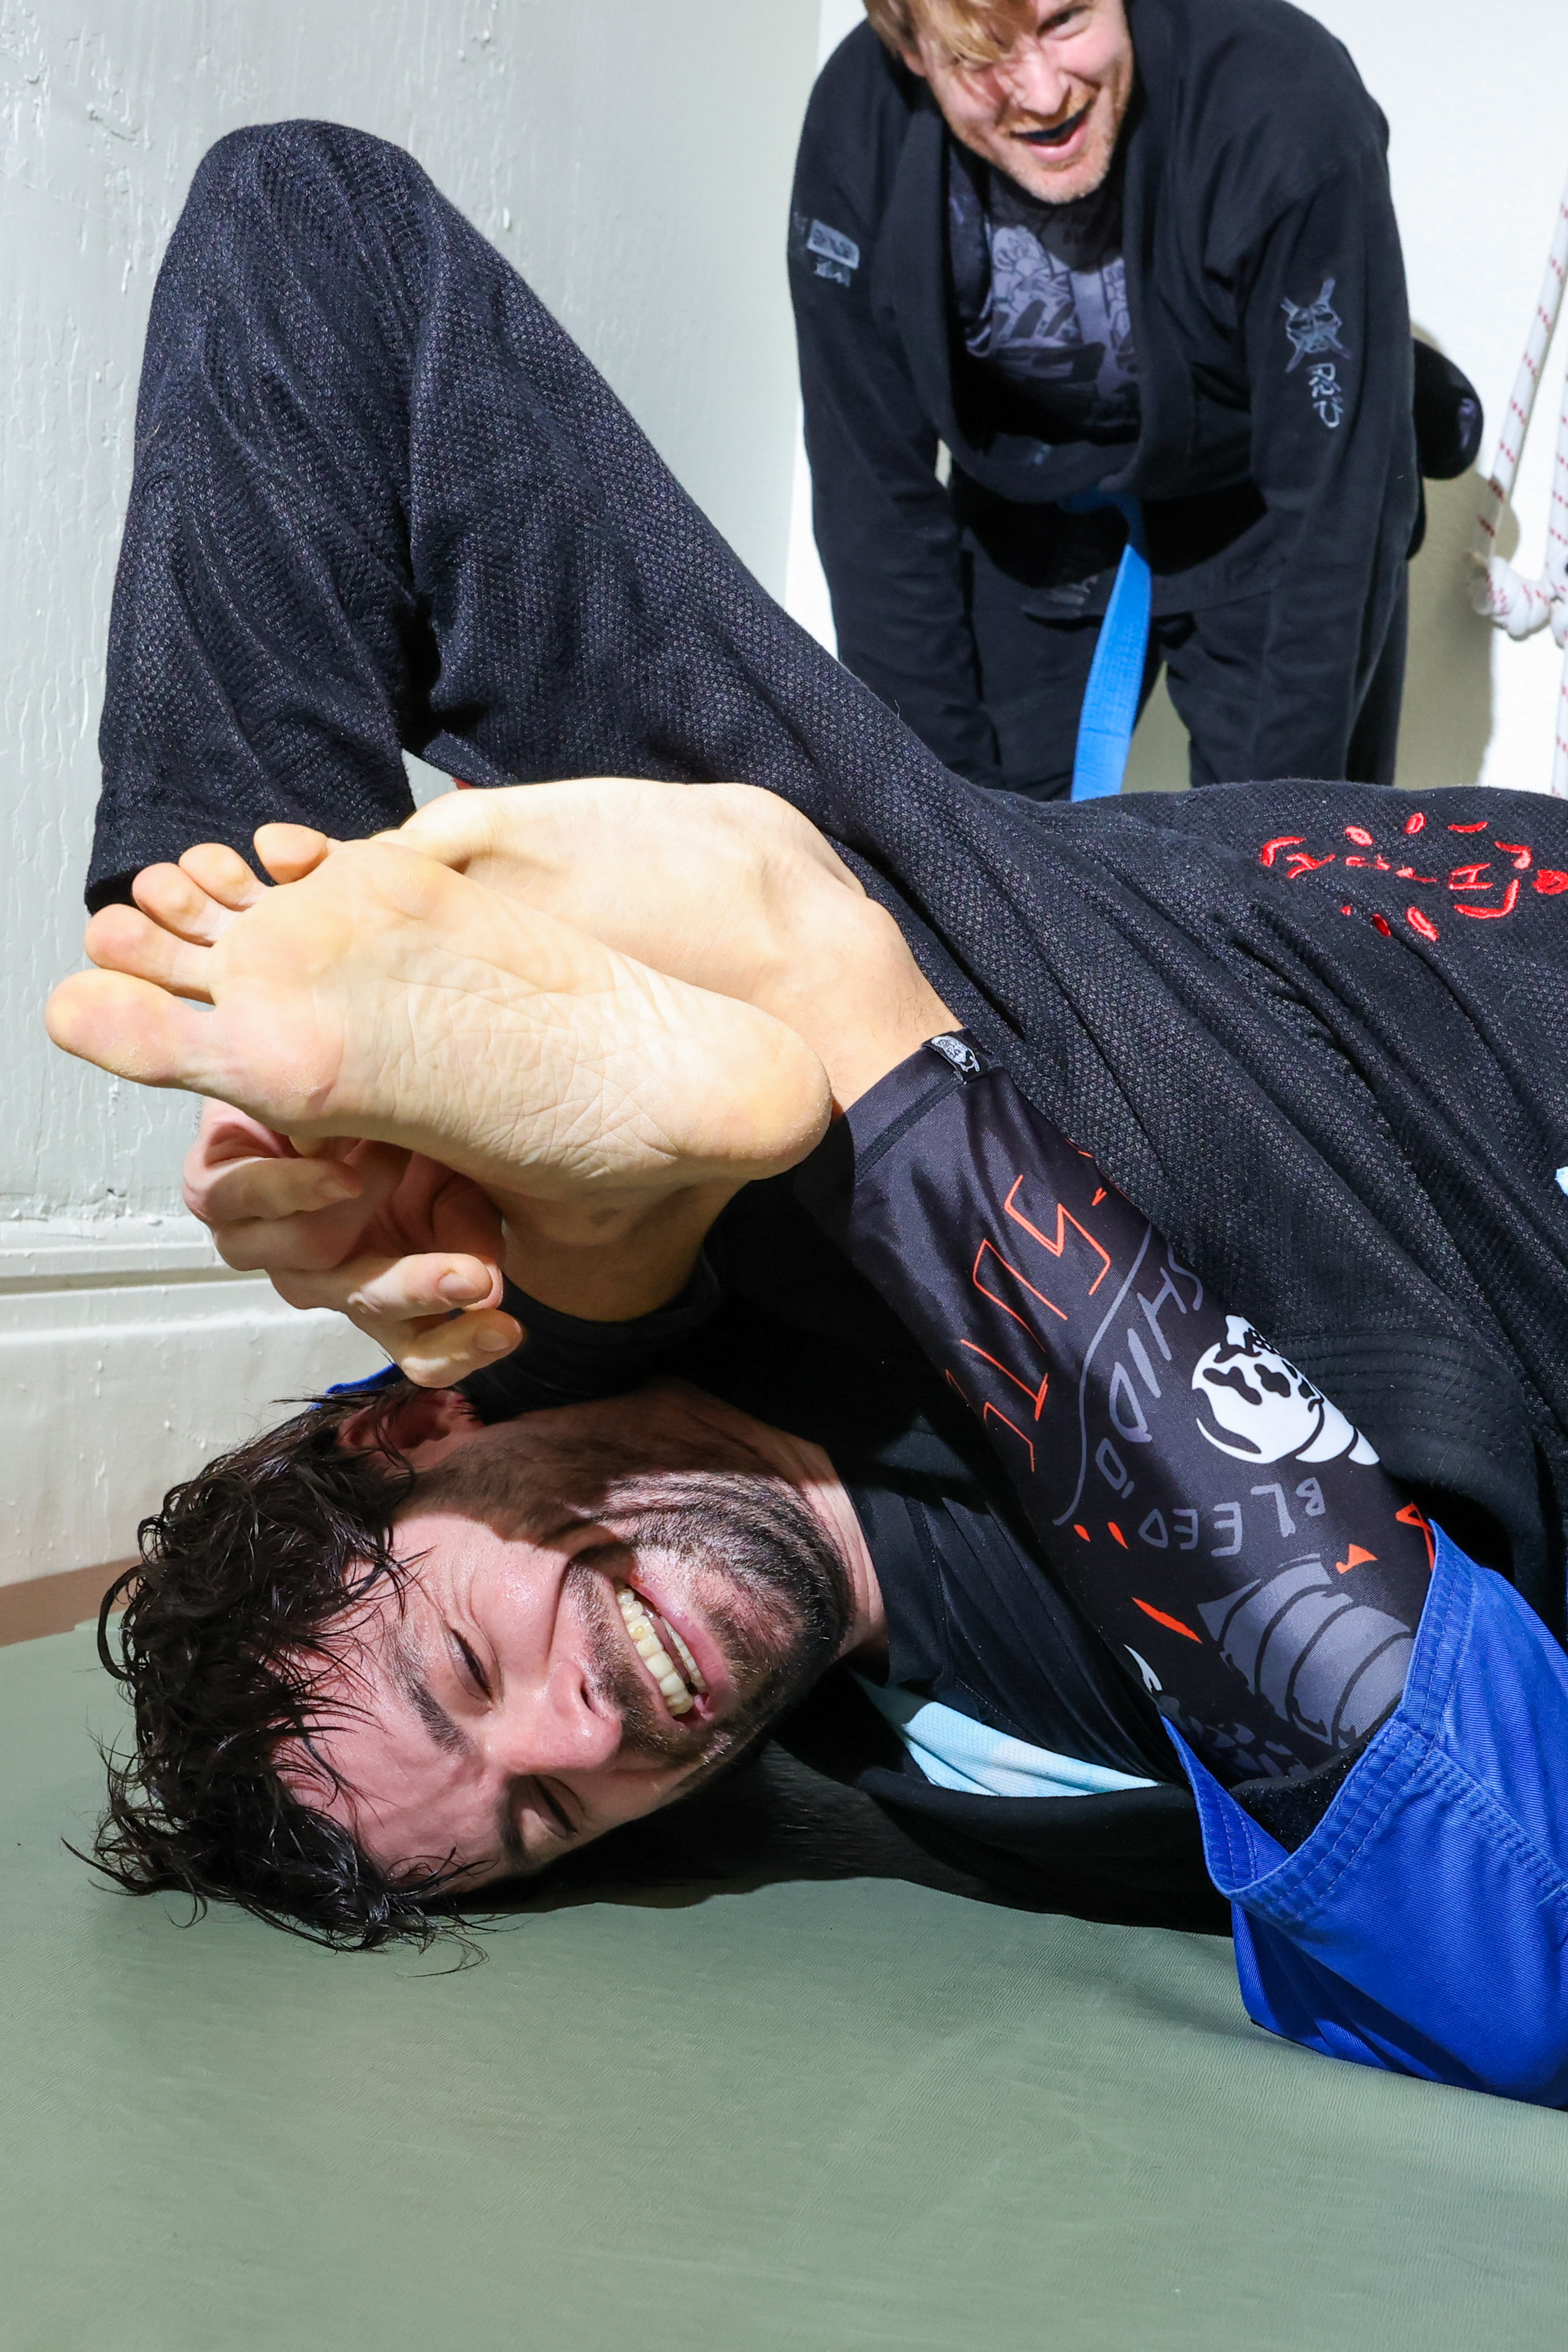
{"x":1261,"y":247}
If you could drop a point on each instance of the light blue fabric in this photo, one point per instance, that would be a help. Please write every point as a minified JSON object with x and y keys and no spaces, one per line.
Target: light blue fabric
{"x":1423,"y":1927}
{"x":1110,"y":699}
{"x":953,"y":1751}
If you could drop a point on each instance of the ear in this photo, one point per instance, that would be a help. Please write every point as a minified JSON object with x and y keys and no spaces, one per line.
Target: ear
{"x":914,"y":63}
{"x":427,"y":1417}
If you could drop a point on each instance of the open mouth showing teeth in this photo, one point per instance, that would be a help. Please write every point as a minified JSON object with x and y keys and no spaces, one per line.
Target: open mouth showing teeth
{"x":1060,"y":132}
{"x":679,"y":1677}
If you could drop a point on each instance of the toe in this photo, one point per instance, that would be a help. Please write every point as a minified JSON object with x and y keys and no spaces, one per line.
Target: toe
{"x":131,"y":1028}
{"x":121,"y":939}
{"x":223,"y":874}
{"x":290,"y":852}
{"x":174,"y":900}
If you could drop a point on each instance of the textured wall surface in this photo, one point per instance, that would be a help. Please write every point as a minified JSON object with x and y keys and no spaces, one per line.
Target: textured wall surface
{"x":632,"y":158}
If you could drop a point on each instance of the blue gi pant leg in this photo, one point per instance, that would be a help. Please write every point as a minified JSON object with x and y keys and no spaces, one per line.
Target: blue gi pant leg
{"x":1423,"y":1926}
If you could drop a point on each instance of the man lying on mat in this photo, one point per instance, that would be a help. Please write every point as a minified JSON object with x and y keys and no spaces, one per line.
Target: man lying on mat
{"x":759,"y":1338}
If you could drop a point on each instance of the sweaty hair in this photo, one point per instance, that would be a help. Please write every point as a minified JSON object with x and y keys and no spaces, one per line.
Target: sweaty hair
{"x":232,"y":1633}
{"x":977,"y":31}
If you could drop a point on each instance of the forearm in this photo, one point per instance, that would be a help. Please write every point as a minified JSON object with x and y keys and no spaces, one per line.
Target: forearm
{"x":1217,"y":1521}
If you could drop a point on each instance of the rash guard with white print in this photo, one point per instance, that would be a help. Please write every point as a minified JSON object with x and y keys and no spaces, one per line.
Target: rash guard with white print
{"x":1229,"y":1534}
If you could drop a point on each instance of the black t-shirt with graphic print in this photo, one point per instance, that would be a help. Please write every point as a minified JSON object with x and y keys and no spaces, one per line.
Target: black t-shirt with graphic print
{"x":1041,"y":295}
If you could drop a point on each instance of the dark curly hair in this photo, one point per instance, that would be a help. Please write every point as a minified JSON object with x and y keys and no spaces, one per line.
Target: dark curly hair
{"x":224,"y":1644}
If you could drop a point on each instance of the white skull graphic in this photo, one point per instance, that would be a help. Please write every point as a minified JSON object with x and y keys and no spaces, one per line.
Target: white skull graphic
{"x":1266,"y":1410}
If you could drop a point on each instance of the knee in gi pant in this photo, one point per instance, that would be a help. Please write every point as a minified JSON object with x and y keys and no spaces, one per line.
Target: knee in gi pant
{"x":1422,"y":1927}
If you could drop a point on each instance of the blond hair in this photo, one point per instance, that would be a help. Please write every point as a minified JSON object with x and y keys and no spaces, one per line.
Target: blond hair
{"x":976,"y":31}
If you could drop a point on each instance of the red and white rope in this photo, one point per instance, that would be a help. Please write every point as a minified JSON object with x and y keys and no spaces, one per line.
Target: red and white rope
{"x":1502,"y":595}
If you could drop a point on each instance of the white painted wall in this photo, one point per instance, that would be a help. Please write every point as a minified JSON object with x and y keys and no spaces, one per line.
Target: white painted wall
{"x":632,"y":157}
{"x":1475,"y":105}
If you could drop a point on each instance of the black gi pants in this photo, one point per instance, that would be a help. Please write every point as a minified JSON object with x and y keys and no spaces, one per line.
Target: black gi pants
{"x":1034,"y":670}
{"x":382,"y":501}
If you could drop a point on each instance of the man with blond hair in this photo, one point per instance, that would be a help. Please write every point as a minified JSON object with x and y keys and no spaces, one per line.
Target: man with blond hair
{"x":1134,"y":264}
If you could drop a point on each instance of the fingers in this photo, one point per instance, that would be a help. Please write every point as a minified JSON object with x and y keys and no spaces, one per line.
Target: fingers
{"x":121,"y":938}
{"x":439,"y":1355}
{"x":290,"y":852}
{"x":399,"y":1289}
{"x":436,"y":1315}
{"x":131,"y":1028}
{"x":270,"y":1216}
{"x":273,"y":1212}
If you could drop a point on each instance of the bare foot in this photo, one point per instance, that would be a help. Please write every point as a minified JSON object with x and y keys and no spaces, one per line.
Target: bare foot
{"x":725,"y":885}
{"x":388,"y":997}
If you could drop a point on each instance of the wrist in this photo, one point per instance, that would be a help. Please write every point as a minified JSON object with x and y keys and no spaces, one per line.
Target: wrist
{"x":608,"y":1263}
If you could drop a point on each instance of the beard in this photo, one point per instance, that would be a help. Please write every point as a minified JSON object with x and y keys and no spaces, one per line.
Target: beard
{"x":691,"y":1499}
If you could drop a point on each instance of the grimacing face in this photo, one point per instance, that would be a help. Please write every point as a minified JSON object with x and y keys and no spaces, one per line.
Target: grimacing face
{"x":1049,"y":112}
{"x":547,"y":1671}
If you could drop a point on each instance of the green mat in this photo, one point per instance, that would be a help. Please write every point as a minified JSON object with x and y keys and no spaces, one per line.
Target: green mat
{"x":806,"y":2111}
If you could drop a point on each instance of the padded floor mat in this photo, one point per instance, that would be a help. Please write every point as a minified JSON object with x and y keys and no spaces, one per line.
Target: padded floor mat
{"x":760,"y":2112}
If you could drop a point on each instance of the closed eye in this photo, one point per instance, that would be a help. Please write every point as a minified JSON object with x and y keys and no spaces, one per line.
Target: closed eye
{"x":474,"y":1674}
{"x":566,"y":1827}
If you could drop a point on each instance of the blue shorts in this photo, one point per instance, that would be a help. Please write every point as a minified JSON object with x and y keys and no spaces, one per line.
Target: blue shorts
{"x":1423,"y":1926}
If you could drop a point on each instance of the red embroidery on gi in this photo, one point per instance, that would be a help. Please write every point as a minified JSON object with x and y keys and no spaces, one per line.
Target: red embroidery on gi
{"x":1299,"y":863}
{"x":1408,"y":874}
{"x":1469,"y":878}
{"x":1270,"y":849}
{"x":1355,"y":861}
{"x":1495,"y":914}
{"x":1519,"y":852}
{"x":1381,"y":923}
{"x":1416,"y":824}
{"x":1549,"y":881}
{"x":1469,"y":828}
{"x":1418,"y":922}
{"x":1359,"y":833}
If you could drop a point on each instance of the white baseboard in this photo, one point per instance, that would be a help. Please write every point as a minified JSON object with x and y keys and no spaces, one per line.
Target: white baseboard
{"x":128,"y":1355}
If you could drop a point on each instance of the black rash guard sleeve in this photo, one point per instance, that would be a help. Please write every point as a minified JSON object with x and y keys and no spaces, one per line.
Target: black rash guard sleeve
{"x":1228,"y":1533}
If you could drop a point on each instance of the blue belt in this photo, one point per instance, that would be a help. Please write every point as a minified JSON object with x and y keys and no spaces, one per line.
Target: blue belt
{"x":1116,"y":677}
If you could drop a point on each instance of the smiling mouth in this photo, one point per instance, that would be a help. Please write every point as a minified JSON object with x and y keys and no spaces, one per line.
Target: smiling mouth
{"x":1060,"y":132}
{"x":662,"y":1652}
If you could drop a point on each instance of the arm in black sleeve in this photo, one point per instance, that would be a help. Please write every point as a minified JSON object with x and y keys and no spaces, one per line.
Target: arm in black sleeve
{"x":1326,"y":332}
{"x":566,"y":1360}
{"x":1228,"y":1532}
{"x":884,"y":523}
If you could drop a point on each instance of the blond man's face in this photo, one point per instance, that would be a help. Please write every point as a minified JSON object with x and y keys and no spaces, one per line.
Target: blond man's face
{"x":1049,"y":112}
